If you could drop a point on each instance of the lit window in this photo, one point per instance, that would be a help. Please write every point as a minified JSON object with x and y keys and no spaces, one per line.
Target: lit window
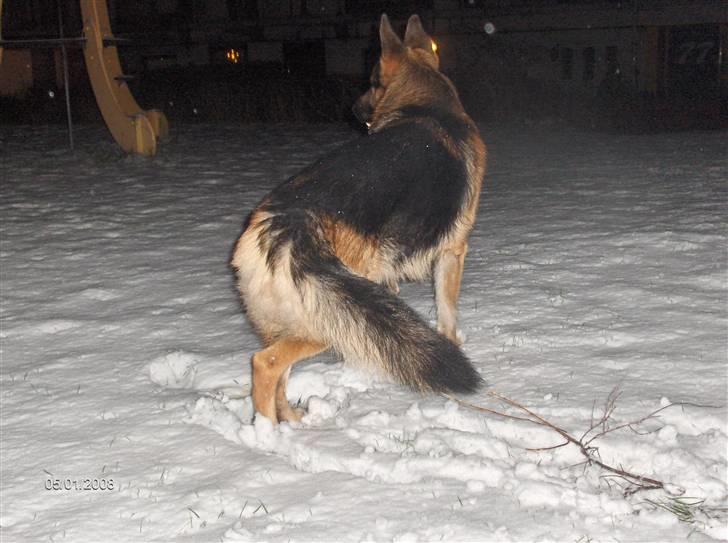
{"x":232,"y":56}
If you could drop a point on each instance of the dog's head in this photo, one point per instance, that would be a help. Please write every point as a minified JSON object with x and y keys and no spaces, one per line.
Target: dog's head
{"x":407,"y":73}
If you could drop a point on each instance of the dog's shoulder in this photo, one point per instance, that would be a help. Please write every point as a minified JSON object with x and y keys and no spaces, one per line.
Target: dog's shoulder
{"x":411,"y":154}
{"x":405,"y":182}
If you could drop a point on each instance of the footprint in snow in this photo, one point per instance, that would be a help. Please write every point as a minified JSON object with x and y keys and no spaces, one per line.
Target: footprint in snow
{"x":177,"y":369}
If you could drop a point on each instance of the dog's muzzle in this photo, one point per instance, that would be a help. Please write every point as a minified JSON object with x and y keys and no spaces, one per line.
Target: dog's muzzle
{"x":363,"y":111}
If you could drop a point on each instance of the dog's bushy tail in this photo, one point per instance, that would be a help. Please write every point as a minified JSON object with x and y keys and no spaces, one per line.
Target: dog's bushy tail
{"x":368,"y":324}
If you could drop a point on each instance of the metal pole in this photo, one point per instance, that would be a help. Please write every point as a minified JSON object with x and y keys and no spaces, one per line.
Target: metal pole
{"x":65,"y":76}
{"x":1,"y":31}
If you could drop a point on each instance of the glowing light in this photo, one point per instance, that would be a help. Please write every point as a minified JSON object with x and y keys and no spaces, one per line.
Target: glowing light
{"x":434,"y":47}
{"x":232,"y":56}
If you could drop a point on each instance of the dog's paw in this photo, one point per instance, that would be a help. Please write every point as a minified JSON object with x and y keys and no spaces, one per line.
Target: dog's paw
{"x":291,"y":414}
{"x":453,"y":334}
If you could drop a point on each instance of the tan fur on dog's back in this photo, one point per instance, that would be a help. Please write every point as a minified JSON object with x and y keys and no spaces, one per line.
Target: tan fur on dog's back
{"x":364,"y":256}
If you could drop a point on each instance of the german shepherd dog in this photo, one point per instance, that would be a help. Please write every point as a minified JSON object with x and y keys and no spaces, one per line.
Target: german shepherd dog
{"x":320,"y":258}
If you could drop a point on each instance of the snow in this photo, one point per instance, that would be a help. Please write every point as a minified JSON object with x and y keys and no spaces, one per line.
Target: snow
{"x":598,"y":261}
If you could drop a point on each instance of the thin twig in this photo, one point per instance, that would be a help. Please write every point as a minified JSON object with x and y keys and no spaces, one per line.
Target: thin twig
{"x":476,"y":407}
{"x":541,"y":449}
{"x":635,"y":482}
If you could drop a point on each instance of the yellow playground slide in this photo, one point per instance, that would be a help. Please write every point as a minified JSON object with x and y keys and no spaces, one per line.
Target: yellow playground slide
{"x":134,"y":129}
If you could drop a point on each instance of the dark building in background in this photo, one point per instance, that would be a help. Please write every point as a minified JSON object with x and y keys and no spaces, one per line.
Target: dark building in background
{"x":657,"y":48}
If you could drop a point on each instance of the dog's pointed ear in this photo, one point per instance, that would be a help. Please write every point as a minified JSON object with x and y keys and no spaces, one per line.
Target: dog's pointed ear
{"x":392,"y":47}
{"x":415,"y":37}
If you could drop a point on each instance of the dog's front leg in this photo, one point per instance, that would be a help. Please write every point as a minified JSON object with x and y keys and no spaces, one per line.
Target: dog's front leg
{"x":448,"y":272}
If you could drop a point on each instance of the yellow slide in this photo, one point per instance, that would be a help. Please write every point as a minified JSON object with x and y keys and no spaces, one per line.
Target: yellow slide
{"x":135,"y":130}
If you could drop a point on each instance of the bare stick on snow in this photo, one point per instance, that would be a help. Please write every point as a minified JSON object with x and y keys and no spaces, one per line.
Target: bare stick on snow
{"x":598,"y":428}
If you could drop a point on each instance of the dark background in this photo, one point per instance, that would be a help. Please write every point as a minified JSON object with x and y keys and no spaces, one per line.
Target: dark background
{"x":635,"y":65}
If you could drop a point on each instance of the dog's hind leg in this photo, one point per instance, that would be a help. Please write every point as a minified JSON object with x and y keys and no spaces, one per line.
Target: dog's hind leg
{"x":448,"y":274}
{"x":283,"y":408}
{"x":273,"y":363}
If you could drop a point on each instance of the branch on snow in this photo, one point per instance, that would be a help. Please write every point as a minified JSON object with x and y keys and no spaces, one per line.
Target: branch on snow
{"x":630,"y":482}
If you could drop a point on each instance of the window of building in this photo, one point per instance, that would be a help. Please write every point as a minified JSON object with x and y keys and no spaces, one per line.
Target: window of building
{"x":612,"y":60}
{"x":589,"y":64}
{"x":567,"y":62}
{"x":242,"y":9}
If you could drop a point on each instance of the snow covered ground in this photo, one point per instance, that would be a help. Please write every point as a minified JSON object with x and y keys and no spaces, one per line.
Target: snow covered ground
{"x":598,"y":261}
